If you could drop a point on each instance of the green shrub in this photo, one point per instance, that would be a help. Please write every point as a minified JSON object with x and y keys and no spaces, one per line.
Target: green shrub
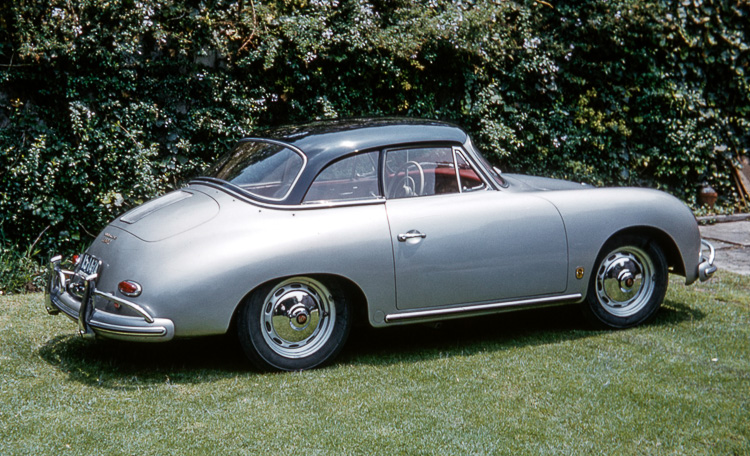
{"x":19,"y":270}
{"x":104,"y":104}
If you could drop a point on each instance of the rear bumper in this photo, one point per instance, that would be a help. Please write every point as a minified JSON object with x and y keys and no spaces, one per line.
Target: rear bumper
{"x":85,"y":304}
{"x":706,"y":267}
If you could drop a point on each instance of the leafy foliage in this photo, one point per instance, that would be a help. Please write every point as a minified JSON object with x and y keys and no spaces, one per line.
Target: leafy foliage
{"x":104,"y":104}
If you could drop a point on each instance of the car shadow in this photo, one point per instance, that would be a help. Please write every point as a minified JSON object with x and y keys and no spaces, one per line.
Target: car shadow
{"x":128,"y":365}
{"x":464,"y":337}
{"x":498,"y":332}
{"x":673,"y":312}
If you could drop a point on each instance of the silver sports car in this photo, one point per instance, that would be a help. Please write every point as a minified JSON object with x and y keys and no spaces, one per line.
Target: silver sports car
{"x":290,"y":237}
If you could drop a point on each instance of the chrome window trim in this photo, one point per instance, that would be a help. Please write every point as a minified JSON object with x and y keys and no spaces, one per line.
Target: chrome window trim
{"x":238,"y":193}
{"x":455,"y":168}
{"x":468,"y":146}
{"x":477,"y":169}
{"x":339,"y":160}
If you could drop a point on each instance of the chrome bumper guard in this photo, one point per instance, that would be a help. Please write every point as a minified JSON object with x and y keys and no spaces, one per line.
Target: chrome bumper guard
{"x":93,"y":322}
{"x":706,"y":267}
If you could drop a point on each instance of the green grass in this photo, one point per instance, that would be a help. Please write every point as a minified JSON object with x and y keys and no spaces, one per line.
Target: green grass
{"x":536,"y":382}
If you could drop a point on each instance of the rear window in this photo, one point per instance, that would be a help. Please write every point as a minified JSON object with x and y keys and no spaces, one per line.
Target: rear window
{"x":262,"y":168}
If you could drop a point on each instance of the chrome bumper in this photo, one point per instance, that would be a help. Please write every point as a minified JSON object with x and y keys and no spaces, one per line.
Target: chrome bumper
{"x":94,"y":322}
{"x":706,"y":267}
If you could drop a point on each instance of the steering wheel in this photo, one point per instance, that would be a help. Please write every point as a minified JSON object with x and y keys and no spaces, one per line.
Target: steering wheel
{"x":407,"y":186}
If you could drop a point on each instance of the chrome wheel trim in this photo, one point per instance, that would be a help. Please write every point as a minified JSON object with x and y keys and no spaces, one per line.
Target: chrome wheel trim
{"x":297,"y":317}
{"x":625,"y":281}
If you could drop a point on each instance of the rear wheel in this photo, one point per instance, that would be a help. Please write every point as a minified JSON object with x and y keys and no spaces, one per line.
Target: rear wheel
{"x":294,"y":324}
{"x":629,"y":283}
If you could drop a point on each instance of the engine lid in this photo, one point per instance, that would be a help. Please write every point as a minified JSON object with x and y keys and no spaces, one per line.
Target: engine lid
{"x":168,"y":215}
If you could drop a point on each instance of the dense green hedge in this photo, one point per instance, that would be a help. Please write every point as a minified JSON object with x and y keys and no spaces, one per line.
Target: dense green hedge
{"x":105,"y":103}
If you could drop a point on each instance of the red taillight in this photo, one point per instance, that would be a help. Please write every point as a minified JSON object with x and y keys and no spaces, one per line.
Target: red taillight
{"x":129,"y":288}
{"x":75,"y":259}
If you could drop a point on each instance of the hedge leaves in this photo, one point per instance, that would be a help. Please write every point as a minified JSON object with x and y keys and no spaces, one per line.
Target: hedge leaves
{"x":106,"y":103}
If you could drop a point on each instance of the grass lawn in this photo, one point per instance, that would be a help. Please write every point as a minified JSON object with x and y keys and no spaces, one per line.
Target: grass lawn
{"x":533,"y":382}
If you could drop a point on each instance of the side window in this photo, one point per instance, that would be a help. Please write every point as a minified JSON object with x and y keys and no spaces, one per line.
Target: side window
{"x":428,"y":171}
{"x":419,"y":172}
{"x":351,"y":178}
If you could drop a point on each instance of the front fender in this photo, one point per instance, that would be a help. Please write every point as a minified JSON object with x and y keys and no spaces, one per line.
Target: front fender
{"x":592,"y":216}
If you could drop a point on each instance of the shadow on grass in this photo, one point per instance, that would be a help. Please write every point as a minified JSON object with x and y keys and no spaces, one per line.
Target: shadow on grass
{"x":121,"y":365}
{"x":125,"y":365}
{"x":496,"y":332}
{"x":673,"y":312}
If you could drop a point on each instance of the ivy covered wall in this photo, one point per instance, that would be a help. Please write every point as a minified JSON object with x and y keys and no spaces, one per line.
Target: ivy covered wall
{"x":106,"y":103}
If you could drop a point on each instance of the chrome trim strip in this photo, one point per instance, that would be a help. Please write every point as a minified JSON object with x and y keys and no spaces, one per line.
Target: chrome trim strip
{"x":123,"y":302}
{"x":156,"y":331}
{"x":237,"y":192}
{"x":481,"y":308}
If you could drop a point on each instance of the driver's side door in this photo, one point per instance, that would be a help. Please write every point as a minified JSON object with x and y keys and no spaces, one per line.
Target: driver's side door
{"x":457,"y":241}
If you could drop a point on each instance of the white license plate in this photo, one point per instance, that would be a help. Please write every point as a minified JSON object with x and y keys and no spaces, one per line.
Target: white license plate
{"x":89,"y":265}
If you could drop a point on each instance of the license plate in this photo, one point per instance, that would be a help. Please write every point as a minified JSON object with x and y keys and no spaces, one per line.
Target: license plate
{"x":89,"y":265}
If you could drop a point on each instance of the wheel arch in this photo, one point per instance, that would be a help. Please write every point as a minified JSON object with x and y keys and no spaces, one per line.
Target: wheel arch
{"x":355,"y":295}
{"x":668,"y":245}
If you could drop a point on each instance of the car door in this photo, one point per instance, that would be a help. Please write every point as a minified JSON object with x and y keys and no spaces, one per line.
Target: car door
{"x":460,"y":242}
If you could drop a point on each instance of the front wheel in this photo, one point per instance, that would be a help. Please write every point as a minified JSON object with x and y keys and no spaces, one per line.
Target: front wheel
{"x":629,"y":283}
{"x":294,"y":324}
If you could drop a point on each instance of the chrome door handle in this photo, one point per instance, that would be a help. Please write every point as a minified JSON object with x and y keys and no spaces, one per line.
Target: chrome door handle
{"x":410,"y":235}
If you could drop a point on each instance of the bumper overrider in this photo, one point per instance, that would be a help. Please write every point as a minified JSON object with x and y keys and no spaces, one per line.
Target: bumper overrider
{"x":75,"y":295}
{"x":706,"y":267}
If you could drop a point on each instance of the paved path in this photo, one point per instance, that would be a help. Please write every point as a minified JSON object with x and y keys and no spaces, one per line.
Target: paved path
{"x":732,"y":243}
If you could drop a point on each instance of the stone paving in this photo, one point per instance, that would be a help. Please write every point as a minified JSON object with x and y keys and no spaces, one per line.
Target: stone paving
{"x":732,"y":243}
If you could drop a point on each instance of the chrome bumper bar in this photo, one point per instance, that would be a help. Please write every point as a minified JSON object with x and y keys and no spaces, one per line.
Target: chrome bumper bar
{"x":706,"y":267}
{"x":93,"y":322}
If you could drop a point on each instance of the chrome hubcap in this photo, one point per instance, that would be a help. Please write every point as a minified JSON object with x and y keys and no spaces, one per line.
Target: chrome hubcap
{"x":298,"y":317}
{"x":625,"y":281}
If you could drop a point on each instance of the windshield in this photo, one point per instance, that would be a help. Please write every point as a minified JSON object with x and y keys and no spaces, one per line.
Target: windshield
{"x":262,"y":168}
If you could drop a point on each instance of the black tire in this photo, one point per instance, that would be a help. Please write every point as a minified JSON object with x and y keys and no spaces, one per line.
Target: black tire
{"x":628,"y":283}
{"x":294,"y":324}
